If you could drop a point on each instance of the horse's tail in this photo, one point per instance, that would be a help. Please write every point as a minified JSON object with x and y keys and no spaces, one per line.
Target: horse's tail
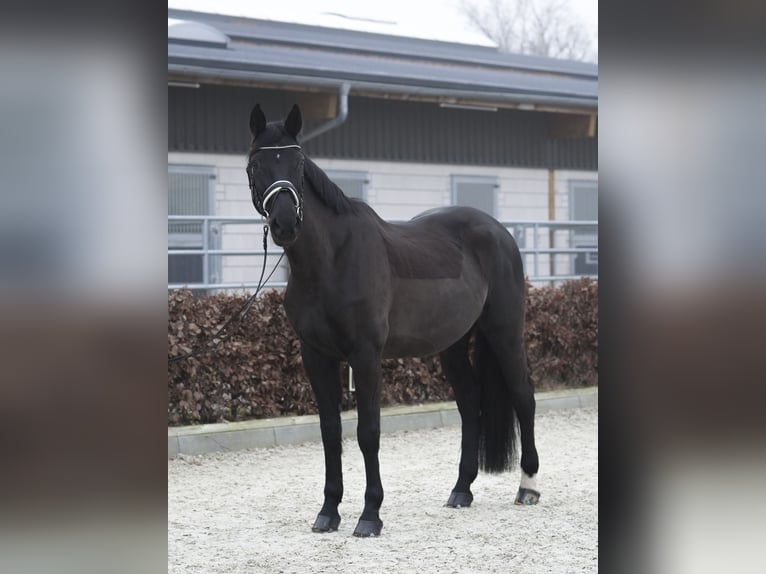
{"x":497,"y":431}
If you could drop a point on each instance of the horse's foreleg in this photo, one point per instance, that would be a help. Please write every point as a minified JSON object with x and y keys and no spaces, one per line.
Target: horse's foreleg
{"x":324,"y":374}
{"x":367,"y":374}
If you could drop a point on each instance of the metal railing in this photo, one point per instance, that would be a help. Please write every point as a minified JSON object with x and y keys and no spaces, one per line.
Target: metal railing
{"x":573,"y":233}
{"x":537,"y":243}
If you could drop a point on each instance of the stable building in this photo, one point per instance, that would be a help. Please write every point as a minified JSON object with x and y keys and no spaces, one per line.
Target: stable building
{"x":404,"y":124}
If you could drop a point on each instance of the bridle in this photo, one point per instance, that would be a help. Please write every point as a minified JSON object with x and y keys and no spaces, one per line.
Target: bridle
{"x":261,"y":203}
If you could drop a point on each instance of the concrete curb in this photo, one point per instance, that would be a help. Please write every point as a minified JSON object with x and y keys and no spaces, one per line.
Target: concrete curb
{"x":262,"y":433}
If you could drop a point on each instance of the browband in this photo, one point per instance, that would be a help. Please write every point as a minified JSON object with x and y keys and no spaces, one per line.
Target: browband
{"x":278,"y":147}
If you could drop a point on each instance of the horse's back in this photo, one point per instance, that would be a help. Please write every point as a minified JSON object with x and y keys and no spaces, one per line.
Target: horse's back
{"x":432,"y":245}
{"x":480,"y":235}
{"x":464,"y":224}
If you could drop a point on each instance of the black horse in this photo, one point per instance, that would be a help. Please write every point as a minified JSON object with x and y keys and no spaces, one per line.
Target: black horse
{"x":362,"y":289}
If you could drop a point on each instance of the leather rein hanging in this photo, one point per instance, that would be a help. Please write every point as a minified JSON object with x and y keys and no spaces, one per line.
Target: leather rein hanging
{"x":212,"y":345}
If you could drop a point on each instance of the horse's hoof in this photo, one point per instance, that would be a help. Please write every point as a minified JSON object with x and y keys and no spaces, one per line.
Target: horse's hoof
{"x":326,"y":523}
{"x":527,"y":496}
{"x":459,"y":499}
{"x":366,"y":528}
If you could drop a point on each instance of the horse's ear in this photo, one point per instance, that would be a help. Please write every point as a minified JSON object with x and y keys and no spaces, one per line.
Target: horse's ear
{"x":294,"y":121}
{"x":257,"y":121}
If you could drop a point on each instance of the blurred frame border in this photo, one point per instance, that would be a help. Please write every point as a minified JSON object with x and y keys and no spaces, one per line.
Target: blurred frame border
{"x":683,"y":248}
{"x":83,"y":305}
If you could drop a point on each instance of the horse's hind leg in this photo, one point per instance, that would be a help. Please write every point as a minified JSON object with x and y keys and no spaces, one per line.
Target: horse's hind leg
{"x":523,"y":399}
{"x":457,"y":367}
{"x":324,"y":374}
{"x":508,"y":347}
{"x":502,"y":328}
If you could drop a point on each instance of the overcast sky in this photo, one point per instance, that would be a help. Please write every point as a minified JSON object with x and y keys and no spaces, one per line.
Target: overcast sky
{"x":433,"y":19}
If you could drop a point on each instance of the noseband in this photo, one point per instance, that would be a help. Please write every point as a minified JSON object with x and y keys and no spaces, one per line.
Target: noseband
{"x":274,"y":189}
{"x":278,"y":186}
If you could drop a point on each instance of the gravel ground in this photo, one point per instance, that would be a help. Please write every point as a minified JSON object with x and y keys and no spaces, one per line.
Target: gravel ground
{"x":251,"y":511}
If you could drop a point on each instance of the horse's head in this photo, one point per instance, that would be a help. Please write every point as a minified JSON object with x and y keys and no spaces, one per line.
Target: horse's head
{"x":275,"y":172}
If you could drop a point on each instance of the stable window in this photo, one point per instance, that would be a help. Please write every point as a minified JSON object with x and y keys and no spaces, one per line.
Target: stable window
{"x":475,"y":191}
{"x":353,"y":183}
{"x":583,"y":202}
{"x":191,"y":191}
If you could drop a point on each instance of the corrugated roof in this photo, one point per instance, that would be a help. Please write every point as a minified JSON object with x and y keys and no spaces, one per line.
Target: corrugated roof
{"x":267,"y":51}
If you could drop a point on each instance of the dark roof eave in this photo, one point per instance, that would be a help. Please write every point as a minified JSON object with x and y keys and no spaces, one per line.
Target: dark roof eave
{"x":435,"y":89}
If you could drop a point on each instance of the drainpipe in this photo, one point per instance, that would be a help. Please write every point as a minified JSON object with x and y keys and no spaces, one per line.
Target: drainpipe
{"x":339,"y":118}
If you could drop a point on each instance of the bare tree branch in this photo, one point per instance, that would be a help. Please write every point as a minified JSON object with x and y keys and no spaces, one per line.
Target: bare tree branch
{"x":539,"y":27}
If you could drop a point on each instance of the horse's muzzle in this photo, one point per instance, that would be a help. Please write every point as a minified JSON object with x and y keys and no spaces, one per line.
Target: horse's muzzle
{"x":284,"y":228}
{"x":283,"y":239}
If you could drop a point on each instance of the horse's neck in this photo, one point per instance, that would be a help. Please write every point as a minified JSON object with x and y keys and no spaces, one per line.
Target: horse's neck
{"x":313,"y":251}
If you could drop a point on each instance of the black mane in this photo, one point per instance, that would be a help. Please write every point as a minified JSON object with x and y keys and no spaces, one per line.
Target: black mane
{"x":328,"y":192}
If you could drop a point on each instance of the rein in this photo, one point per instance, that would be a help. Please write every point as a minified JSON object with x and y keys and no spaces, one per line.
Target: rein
{"x":238,"y":316}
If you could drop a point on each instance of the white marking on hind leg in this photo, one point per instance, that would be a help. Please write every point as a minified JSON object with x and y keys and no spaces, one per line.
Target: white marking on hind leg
{"x":528,"y":481}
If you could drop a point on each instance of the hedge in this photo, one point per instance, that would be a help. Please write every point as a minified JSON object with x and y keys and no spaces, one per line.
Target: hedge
{"x":258,"y":372}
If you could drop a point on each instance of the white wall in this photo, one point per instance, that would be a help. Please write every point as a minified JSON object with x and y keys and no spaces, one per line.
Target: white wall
{"x":396,"y":190}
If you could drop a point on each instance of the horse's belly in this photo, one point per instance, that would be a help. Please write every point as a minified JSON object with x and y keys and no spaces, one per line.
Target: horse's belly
{"x":429,"y":315}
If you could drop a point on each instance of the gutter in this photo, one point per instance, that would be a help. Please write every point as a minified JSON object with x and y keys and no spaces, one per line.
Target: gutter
{"x":585,"y":103}
{"x":339,"y":118}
